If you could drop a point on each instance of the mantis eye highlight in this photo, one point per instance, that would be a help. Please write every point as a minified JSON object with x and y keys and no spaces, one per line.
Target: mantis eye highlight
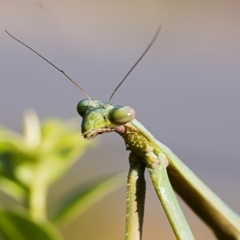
{"x":121,"y":115}
{"x":82,"y":107}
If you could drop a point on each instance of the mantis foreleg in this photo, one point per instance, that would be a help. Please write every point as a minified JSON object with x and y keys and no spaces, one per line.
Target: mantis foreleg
{"x":163,"y":188}
{"x":136,"y":188}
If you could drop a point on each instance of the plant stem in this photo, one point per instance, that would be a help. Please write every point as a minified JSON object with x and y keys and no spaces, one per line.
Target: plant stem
{"x":37,"y":201}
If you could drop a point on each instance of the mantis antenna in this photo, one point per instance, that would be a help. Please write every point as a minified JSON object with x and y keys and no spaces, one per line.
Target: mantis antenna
{"x":136,"y":63}
{"x":60,"y":70}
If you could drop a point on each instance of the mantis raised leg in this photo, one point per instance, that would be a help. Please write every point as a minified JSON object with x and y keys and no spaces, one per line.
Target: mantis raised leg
{"x":162,"y":163}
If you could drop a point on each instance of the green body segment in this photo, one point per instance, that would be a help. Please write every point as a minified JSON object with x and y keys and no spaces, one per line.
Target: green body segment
{"x":206,"y":204}
{"x":212,"y":210}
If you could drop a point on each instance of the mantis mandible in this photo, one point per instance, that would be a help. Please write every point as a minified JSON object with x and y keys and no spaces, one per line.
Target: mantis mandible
{"x":166,"y":170}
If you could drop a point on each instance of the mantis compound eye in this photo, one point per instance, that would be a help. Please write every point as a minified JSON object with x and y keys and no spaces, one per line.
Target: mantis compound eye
{"x":82,"y":107}
{"x":121,"y":115}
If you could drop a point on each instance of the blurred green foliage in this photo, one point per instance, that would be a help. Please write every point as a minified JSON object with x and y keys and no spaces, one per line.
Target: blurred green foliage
{"x":29,"y":164}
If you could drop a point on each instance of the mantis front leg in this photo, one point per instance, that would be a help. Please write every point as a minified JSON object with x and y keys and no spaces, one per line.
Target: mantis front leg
{"x":136,"y":188}
{"x":157,"y":169}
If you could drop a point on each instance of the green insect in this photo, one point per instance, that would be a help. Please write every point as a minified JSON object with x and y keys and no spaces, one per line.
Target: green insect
{"x":166,"y":170}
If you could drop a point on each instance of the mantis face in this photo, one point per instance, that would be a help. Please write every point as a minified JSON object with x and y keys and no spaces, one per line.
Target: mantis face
{"x":99,"y":117}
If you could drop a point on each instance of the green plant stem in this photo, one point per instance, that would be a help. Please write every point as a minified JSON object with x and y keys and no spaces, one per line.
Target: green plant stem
{"x":37,"y":201}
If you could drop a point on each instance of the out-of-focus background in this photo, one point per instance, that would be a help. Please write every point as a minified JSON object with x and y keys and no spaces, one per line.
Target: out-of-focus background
{"x":186,"y":90}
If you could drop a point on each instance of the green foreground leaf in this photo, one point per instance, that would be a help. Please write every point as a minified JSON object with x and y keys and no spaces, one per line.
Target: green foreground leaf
{"x":18,"y":226}
{"x":83,"y":198}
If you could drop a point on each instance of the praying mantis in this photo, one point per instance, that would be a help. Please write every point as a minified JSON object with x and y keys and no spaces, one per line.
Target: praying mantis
{"x":166,"y":170}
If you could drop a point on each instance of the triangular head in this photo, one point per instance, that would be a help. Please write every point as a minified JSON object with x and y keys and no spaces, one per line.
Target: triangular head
{"x":100,"y":117}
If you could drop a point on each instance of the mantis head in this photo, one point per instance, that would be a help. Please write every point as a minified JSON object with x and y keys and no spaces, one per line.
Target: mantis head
{"x":99,"y":117}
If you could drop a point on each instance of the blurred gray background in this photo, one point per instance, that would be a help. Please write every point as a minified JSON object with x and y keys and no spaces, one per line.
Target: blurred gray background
{"x":186,"y":90}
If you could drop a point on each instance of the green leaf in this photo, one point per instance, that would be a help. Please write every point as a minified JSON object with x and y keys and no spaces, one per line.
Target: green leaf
{"x":60,"y":145}
{"x":83,"y":198}
{"x":12,"y":189}
{"x":18,"y":226}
